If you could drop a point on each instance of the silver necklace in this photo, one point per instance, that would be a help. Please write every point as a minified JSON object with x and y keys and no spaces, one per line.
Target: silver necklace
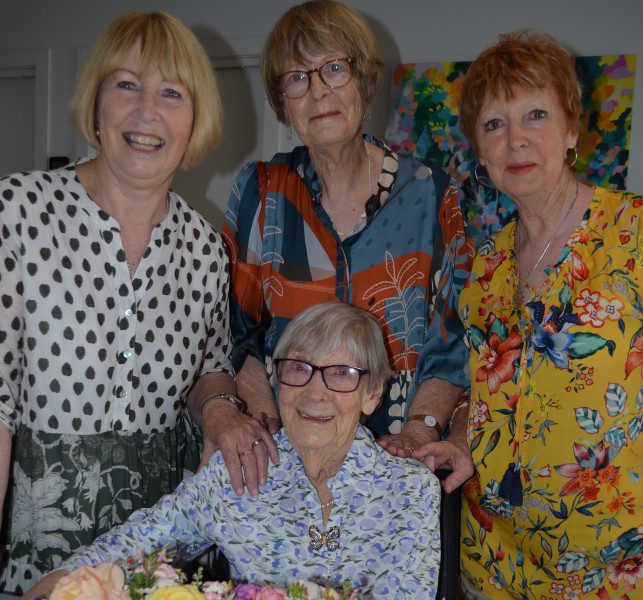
{"x":363,"y":215}
{"x":521,"y":286}
{"x":331,"y":502}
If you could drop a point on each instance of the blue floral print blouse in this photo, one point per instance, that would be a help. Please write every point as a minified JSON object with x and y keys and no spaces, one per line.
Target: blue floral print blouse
{"x":387,"y":510}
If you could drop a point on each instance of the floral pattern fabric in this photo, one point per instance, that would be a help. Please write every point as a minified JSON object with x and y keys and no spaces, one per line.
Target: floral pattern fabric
{"x":406,"y":266}
{"x":386,"y":508}
{"x":554,"y":510}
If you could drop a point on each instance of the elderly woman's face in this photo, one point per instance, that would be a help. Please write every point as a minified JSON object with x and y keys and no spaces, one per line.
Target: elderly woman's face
{"x":317,"y":418}
{"x":324,"y":117}
{"x":523,"y":141}
{"x":145,"y":123}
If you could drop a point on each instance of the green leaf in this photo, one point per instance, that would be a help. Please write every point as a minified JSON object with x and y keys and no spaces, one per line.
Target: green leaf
{"x":492,"y":442}
{"x":616,"y":437}
{"x":639,"y":399}
{"x":482,"y":534}
{"x":593,"y":579}
{"x":475,"y":442}
{"x":563,"y":542}
{"x":467,"y":541}
{"x":571,"y":561}
{"x":634,"y":428}
{"x":500,"y":328}
{"x":615,"y":399}
{"x":476,"y":336}
{"x":565,"y":294}
{"x":586,"y":344}
{"x":588,"y":420}
{"x":544,"y":544}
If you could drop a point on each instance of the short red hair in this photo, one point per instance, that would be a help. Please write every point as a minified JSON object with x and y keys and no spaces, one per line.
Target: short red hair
{"x":520,"y":60}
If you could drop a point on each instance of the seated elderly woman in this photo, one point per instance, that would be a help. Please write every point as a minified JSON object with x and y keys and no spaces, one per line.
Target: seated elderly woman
{"x":336,"y":508}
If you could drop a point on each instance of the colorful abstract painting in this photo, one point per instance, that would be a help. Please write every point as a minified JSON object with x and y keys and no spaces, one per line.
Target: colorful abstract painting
{"x":424,"y":122}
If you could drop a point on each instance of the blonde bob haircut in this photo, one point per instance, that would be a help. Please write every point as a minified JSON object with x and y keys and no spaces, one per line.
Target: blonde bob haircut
{"x":523,"y":60}
{"x":166,"y":44}
{"x":320,"y":27}
{"x":322,"y":329}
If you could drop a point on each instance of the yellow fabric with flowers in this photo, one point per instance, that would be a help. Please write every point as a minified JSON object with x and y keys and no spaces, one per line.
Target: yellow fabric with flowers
{"x":554,"y":510}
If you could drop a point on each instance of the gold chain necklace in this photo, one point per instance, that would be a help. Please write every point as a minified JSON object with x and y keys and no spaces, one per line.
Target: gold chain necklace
{"x":519,"y":291}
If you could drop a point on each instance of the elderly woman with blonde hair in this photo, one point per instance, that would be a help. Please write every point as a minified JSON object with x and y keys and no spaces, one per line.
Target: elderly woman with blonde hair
{"x":114,"y":297}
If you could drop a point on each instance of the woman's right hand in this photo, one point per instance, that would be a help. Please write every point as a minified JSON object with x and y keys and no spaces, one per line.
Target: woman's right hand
{"x":246,"y":444}
{"x":45,"y":586}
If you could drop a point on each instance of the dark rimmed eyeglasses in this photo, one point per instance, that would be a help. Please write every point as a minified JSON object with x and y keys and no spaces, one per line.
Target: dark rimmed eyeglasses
{"x":337,"y":378}
{"x":335,"y":73}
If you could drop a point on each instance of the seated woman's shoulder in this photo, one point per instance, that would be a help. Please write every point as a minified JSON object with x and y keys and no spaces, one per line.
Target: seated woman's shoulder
{"x":407,"y":473}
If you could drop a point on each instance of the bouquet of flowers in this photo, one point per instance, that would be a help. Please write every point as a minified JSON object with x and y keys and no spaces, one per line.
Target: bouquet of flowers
{"x":154,"y":578}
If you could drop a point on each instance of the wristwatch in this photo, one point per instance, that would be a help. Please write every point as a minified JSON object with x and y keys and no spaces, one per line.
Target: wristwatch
{"x":429,"y":420}
{"x":237,"y":402}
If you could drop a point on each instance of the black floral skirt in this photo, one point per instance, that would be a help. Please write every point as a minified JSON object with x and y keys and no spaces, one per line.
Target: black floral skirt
{"x":68,"y":489}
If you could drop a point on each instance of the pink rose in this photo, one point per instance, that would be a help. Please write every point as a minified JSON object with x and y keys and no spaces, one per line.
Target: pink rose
{"x":270,"y":593}
{"x":217,"y":590}
{"x":246,"y":591}
{"x":103,"y":582}
{"x":165,"y":572}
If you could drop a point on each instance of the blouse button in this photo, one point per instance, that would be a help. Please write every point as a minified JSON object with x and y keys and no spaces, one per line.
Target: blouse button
{"x":122,"y":394}
{"x":127,"y":354}
{"x":128,"y":313}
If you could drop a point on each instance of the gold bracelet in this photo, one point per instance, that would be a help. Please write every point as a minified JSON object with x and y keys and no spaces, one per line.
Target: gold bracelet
{"x":236,"y":402}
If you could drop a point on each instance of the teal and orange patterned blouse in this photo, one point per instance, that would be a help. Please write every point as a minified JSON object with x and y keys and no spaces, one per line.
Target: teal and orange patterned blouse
{"x":554,"y":511}
{"x":406,"y":265}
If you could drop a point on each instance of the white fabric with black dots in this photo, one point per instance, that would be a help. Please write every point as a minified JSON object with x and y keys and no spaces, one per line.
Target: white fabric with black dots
{"x":84,"y":347}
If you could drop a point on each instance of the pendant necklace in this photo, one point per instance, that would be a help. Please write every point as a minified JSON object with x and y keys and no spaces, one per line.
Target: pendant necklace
{"x":522,"y":285}
{"x":329,"y":538}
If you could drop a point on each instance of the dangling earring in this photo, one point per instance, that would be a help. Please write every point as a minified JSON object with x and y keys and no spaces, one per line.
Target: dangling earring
{"x":289,"y":132}
{"x":571,"y":156}
{"x":481,"y":176}
{"x":97,"y":131}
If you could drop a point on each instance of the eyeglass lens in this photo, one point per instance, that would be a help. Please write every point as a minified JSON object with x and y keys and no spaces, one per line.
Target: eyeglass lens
{"x":338,"y":378}
{"x":335,"y":74}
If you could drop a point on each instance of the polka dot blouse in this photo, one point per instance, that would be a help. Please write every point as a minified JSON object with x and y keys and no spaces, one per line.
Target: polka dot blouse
{"x":84,"y":347}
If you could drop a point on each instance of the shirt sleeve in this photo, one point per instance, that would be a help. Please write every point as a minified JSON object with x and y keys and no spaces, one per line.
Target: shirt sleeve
{"x":444,"y":354}
{"x":11,"y":301}
{"x":243,"y":232}
{"x":219,"y":342}
{"x":181,"y":521}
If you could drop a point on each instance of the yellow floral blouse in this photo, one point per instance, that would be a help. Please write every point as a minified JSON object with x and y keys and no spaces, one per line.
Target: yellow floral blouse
{"x":554,"y":510}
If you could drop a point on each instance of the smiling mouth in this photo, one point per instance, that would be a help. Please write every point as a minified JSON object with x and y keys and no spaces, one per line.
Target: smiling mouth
{"x":308,"y":417}
{"x":520,"y":166}
{"x":143,"y":142}
{"x":324,"y":115}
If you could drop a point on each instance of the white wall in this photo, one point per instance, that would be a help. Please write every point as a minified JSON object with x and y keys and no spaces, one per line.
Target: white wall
{"x":407,"y":30}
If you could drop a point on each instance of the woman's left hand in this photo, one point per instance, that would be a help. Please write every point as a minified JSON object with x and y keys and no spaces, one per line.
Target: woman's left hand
{"x":401,"y":444}
{"x":447,"y":455}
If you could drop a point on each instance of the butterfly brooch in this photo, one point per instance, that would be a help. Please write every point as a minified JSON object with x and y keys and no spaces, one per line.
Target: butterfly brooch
{"x":329,"y":538}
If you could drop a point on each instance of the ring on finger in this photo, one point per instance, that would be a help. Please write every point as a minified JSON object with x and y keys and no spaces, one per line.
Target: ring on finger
{"x":257,"y":442}
{"x":409,"y":448}
{"x":246,"y":452}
